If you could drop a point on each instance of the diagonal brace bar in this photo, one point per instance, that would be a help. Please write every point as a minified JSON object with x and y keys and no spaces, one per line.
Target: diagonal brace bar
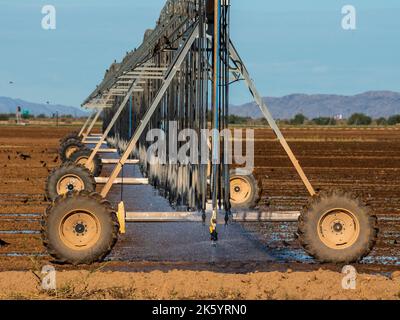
{"x":96,"y":117}
{"x":264,"y":109}
{"x":113,"y":120}
{"x":169,"y":75}
{"x":85,"y":124}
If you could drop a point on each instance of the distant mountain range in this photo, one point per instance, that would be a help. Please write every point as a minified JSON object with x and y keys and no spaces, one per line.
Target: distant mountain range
{"x":9,"y":105}
{"x":373,"y":103}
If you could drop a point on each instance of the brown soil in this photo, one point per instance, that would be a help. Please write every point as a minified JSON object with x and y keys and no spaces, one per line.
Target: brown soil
{"x":361,"y":160}
{"x":198,"y":285}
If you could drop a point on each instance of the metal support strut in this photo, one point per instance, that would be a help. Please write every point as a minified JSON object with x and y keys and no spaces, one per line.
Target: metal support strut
{"x":96,"y":117}
{"x":170,"y":74}
{"x":128,"y":95}
{"x":85,"y":124}
{"x":241,"y":68}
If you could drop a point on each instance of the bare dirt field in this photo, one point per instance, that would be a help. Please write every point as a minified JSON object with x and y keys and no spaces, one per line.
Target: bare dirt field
{"x":180,"y":285}
{"x":365,"y":161}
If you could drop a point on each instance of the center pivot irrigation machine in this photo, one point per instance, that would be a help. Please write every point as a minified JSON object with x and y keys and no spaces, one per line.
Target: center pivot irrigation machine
{"x":182,"y":72}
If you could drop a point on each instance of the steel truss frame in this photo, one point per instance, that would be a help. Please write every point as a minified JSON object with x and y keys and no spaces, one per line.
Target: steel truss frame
{"x":149,"y":80}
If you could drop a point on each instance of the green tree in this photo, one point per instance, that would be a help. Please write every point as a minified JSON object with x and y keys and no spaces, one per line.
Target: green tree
{"x":262,"y":121}
{"x":359,"y":119}
{"x":381,"y":121}
{"x":298,"y":119}
{"x":233,"y":119}
{"x":324,"y":121}
{"x":4,"y":117}
{"x":393,"y":120}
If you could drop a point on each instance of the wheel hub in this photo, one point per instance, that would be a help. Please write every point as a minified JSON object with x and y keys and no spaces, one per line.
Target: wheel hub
{"x":69,"y":183}
{"x":338,"y":229}
{"x":240,"y":190}
{"x":80,"y":230}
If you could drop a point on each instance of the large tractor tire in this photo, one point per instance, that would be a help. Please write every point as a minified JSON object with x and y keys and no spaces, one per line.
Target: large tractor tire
{"x":336,"y":227}
{"x":72,"y":135}
{"x":82,"y":156}
{"x":68,"y":178}
{"x":69,"y":147}
{"x":79,"y":228}
{"x":245,"y":190}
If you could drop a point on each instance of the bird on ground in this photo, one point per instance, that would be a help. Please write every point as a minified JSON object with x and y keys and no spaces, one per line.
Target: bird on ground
{"x":3,"y":243}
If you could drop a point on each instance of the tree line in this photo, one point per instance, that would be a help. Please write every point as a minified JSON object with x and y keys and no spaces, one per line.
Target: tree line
{"x":356,"y":119}
{"x":11,"y":116}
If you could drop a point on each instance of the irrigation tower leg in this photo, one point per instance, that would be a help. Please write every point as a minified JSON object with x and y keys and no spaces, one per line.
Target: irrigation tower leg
{"x":241,"y":68}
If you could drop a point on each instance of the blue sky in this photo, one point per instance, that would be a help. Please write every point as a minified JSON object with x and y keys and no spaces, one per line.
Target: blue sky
{"x":290,"y":46}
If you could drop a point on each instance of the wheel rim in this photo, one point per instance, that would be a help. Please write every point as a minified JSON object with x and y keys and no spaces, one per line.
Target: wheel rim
{"x":68,"y":183}
{"x":338,"y":229}
{"x":240,"y":190}
{"x":84,"y":162}
{"x":70,"y":151}
{"x":80,"y":230}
